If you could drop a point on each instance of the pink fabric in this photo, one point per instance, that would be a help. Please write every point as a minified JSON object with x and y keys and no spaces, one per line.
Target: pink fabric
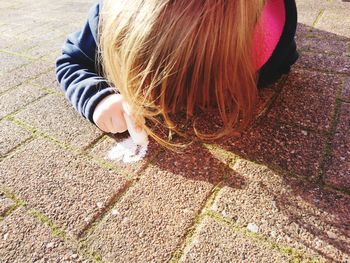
{"x":268,"y":31}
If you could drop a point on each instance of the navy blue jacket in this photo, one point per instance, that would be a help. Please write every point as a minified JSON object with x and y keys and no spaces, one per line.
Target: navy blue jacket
{"x":77,"y":69}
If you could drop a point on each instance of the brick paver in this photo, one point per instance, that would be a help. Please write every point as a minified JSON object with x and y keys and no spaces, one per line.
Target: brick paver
{"x":287,"y":211}
{"x":24,"y":239}
{"x":338,"y":173}
{"x":12,"y":136}
{"x":309,"y":100}
{"x":64,"y":124}
{"x":169,"y":197}
{"x":281,"y":146}
{"x":216,"y":242}
{"x":278,"y":193}
{"x":67,"y":188}
{"x":17,"y":98}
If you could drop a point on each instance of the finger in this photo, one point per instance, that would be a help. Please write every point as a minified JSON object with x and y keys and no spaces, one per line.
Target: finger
{"x":101,"y":126}
{"x":119,"y":124}
{"x":109,"y":126}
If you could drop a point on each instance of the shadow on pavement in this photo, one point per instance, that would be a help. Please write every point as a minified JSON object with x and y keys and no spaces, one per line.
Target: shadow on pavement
{"x":295,"y":140}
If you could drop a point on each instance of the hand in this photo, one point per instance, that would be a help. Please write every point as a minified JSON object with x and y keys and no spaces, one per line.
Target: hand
{"x":108,"y":114}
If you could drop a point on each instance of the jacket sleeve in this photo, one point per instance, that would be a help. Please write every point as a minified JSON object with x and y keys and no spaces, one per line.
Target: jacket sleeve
{"x":76,"y":68}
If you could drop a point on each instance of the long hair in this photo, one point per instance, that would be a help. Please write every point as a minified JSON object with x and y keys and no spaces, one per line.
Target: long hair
{"x":171,"y":56}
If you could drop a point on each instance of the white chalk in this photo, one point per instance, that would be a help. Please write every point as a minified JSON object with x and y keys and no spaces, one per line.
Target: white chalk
{"x":127,"y":151}
{"x":132,"y":149}
{"x":139,"y":138}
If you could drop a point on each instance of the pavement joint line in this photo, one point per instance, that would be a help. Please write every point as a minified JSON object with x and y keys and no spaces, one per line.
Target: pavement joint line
{"x":274,"y":168}
{"x":131,"y":182}
{"x":297,"y":255}
{"x":280,"y":85}
{"x":214,"y":148}
{"x":316,"y":53}
{"x":19,"y":67}
{"x":330,"y":53}
{"x":305,"y":179}
{"x":328,"y":149}
{"x":10,"y":89}
{"x":339,"y":190}
{"x":70,"y":148}
{"x":26,"y":81}
{"x":194,"y":228}
{"x":321,"y":71}
{"x":42,"y":43}
{"x":47,"y":90}
{"x":41,"y":73}
{"x":303,"y":67}
{"x":318,"y":18}
{"x":24,"y":107}
{"x":17,"y":148}
{"x":344,"y":100}
{"x":55,"y":229}
{"x":100,"y":218}
{"x":17,"y":203}
{"x":45,"y":220}
{"x":87,"y":149}
{"x":18,"y":54}
{"x":311,"y":35}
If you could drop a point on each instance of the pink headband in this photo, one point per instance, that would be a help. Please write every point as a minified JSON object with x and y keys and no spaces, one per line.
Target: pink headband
{"x":268,"y":31}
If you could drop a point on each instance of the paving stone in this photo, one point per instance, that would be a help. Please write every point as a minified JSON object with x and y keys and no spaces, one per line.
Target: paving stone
{"x":35,"y":68}
{"x":23,"y":74}
{"x":55,"y":116}
{"x":280,"y":146}
{"x":5,"y":203}
{"x":265,"y":96}
{"x":328,"y":44}
{"x":10,"y":62}
{"x":11,"y":136}
{"x":17,"y":98}
{"x":338,"y":172}
{"x":289,"y":211}
{"x":151,"y":219}
{"x":219,"y":243}
{"x":9,"y":81}
{"x":328,"y":63}
{"x":102,"y":149}
{"x":307,"y":99}
{"x":47,"y":80}
{"x":335,"y":18}
{"x":70,"y":190}
{"x":45,"y":47}
{"x":24,"y":239}
{"x":22,"y":44}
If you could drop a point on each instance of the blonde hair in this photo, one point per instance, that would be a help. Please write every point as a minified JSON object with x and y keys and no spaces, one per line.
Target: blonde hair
{"x":170,"y":56}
